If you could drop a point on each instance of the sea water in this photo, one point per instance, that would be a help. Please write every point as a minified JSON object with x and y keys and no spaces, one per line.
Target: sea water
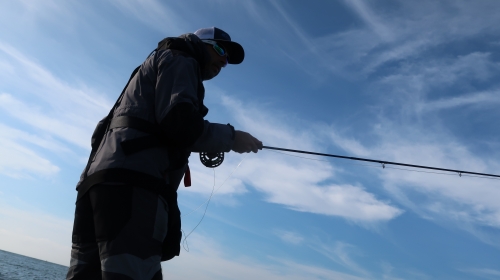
{"x":18,"y":267}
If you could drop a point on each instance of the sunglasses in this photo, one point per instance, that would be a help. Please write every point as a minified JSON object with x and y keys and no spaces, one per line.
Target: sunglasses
{"x":218,"y":48}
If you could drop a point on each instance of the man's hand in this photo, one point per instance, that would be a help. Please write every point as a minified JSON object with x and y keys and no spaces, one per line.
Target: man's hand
{"x":245,"y":143}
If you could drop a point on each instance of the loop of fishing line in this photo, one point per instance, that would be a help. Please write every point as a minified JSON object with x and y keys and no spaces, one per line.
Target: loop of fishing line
{"x":227,"y":178}
{"x":185,"y":244}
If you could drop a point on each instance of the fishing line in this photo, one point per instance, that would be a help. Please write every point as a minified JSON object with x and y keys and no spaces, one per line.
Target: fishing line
{"x":185,"y":244}
{"x":388,"y":167}
{"x":379,"y":166}
{"x":481,"y":177}
{"x":227,"y":178}
{"x":383,"y":163}
{"x":308,"y":158}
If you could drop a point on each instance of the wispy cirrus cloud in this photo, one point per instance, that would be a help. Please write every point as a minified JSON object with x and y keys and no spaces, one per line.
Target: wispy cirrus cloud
{"x":19,"y":161}
{"x":420,"y":98}
{"x":373,"y":22}
{"x":300,"y":185}
{"x":35,"y":80}
{"x":460,"y":200}
{"x":56,"y":116}
{"x":43,"y":101}
{"x":483,"y":273}
{"x":17,"y":135}
{"x":390,"y":35}
{"x":154,"y":14}
{"x":468,"y":203}
{"x":424,"y":87}
{"x":290,"y":237}
{"x":34,"y":117}
{"x":415,"y":29}
{"x":413,"y":87}
{"x":297,"y":31}
{"x":482,"y":99}
{"x":217,"y":262}
{"x":443,"y":72}
{"x":50,"y":10}
{"x":342,"y":253}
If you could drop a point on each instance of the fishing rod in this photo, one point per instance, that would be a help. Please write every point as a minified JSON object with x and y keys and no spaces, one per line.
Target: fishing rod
{"x":215,"y":159}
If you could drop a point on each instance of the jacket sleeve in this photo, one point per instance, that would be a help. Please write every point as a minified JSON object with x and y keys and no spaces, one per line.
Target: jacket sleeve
{"x":216,"y":137}
{"x":177,"y":108}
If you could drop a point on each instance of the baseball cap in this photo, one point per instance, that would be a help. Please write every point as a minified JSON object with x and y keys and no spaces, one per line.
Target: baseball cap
{"x":235,"y":50}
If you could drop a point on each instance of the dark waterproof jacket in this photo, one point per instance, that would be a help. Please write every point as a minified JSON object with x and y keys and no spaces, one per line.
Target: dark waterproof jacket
{"x":167,"y":92}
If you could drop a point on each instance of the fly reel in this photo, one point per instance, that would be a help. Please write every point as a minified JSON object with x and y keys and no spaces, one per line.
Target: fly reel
{"x":211,"y":160}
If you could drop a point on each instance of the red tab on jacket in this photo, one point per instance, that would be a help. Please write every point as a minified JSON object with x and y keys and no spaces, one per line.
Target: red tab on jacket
{"x":187,"y":177}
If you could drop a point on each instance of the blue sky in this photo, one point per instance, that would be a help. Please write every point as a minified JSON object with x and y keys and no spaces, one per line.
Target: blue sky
{"x":408,"y":81}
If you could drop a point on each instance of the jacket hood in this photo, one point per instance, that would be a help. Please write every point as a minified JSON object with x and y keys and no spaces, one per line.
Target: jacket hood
{"x":189,"y":44}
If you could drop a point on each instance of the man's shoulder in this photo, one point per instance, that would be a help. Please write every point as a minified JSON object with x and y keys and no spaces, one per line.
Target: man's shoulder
{"x":174,"y":55}
{"x":175,"y":58}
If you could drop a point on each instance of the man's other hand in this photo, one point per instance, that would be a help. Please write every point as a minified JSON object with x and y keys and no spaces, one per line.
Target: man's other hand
{"x":245,"y":143}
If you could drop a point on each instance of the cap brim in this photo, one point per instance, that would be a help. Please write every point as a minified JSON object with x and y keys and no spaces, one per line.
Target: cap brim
{"x":235,"y":51}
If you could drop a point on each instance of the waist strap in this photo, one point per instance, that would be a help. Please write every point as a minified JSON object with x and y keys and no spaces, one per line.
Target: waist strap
{"x":135,"y":145}
{"x":135,"y":123}
{"x":126,"y":176}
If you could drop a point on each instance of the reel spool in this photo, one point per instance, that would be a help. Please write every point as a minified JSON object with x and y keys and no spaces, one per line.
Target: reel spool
{"x":211,"y":160}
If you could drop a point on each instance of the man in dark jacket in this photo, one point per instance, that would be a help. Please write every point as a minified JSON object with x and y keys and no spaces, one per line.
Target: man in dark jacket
{"x":126,"y":218}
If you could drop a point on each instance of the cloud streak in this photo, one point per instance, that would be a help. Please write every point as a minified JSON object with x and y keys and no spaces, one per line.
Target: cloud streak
{"x":394,"y":35}
{"x":483,"y":99}
{"x":462,"y":200}
{"x":18,"y":161}
{"x":158,"y":17}
{"x":341,"y":253}
{"x":216,"y":262}
{"x":299,"y":185}
{"x":54,"y":107}
{"x":32,"y":116}
{"x":289,"y":237}
{"x":370,"y":19}
{"x":408,"y":125}
{"x":484,"y":273}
